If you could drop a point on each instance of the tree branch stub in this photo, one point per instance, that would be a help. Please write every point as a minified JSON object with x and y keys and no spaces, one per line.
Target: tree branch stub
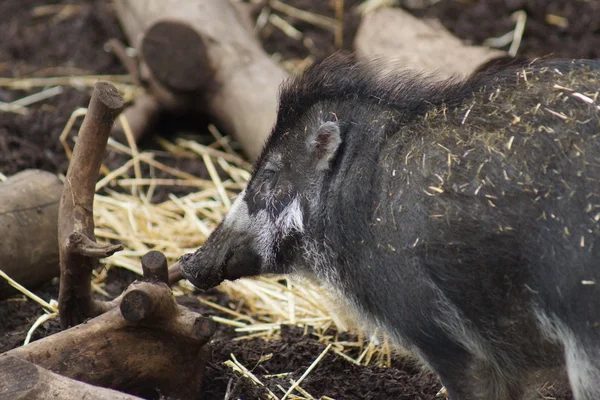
{"x":154,"y":267}
{"x":145,"y":300}
{"x":80,"y":244}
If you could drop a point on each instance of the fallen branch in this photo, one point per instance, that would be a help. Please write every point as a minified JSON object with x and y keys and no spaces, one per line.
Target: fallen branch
{"x":145,"y":110}
{"x":145,"y":342}
{"x":199,"y":56}
{"x":28,"y":217}
{"x":175,"y":274}
{"x":78,"y":249}
{"x":22,"y":380}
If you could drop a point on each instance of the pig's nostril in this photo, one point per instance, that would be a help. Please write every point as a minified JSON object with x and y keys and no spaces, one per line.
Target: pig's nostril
{"x":228,"y":257}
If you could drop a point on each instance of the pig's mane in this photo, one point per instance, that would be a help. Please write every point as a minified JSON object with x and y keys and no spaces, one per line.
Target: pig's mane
{"x":376,"y":81}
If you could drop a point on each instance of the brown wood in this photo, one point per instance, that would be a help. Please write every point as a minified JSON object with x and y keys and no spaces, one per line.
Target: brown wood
{"x":129,"y":63}
{"x":154,"y":267}
{"x":147,"y":300}
{"x":78,"y":249}
{"x":22,"y":380}
{"x":28,"y":228}
{"x":175,"y":274}
{"x":165,"y":348}
{"x":392,"y":33}
{"x":201,"y":56}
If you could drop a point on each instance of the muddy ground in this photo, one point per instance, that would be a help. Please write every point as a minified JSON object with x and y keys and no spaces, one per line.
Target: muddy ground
{"x":36,"y":45}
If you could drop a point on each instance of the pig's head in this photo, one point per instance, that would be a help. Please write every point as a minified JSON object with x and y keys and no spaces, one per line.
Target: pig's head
{"x":268,"y":222}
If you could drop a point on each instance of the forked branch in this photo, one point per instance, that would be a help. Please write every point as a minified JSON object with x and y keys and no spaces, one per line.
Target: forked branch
{"x":79,"y":252}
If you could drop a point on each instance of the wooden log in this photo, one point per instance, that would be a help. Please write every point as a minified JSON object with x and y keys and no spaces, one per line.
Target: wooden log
{"x":22,"y":380}
{"x":153,"y":344}
{"x":426,"y":46}
{"x":79,"y":252}
{"x":201,"y":56}
{"x":28,"y":228}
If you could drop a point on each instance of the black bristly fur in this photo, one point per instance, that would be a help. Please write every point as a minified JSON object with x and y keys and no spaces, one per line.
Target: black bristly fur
{"x":459,"y":216}
{"x":342,"y":78}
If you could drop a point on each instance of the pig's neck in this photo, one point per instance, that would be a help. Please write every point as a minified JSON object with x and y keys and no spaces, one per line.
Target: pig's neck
{"x":352,"y":245}
{"x":351,"y":195}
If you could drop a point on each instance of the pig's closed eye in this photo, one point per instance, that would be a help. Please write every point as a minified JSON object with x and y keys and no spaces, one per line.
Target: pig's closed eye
{"x":268,"y":174}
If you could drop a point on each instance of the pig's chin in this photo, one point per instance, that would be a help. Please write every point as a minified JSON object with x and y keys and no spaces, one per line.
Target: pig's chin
{"x":200,"y":274}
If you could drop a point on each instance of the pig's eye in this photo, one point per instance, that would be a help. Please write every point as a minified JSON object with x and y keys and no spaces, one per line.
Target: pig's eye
{"x":268,"y":173}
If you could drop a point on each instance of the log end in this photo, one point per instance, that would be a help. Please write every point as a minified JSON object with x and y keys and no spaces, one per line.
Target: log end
{"x":136,"y":305}
{"x":154,"y":267}
{"x":29,"y":209}
{"x":176,"y":55}
{"x":204,"y":328}
{"x":110,"y":96}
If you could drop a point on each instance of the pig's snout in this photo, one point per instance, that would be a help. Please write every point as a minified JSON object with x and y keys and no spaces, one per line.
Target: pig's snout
{"x":220,"y":259}
{"x":200,"y":272}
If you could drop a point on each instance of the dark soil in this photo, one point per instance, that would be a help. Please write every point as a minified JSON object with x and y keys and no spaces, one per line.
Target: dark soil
{"x":37,"y":46}
{"x":334,"y":376}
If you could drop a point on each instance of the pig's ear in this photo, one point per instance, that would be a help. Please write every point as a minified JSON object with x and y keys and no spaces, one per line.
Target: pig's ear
{"x":325,"y":142}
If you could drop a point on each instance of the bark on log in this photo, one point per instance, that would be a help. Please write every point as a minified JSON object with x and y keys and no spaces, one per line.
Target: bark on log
{"x":22,"y":380}
{"x":141,"y":345}
{"x":79,"y":251}
{"x":28,"y":220}
{"x":416,"y":44}
{"x":175,"y":274}
{"x":201,"y":56}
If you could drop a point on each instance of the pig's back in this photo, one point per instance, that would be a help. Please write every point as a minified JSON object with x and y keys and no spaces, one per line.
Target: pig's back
{"x":501,"y":195}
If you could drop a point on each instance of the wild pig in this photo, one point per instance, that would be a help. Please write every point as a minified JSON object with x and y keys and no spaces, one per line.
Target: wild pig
{"x":460,"y":217}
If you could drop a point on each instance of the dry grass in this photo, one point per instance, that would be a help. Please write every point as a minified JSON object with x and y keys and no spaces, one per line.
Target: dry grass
{"x":122,"y":82}
{"x":50,"y":308}
{"x":513,"y":37}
